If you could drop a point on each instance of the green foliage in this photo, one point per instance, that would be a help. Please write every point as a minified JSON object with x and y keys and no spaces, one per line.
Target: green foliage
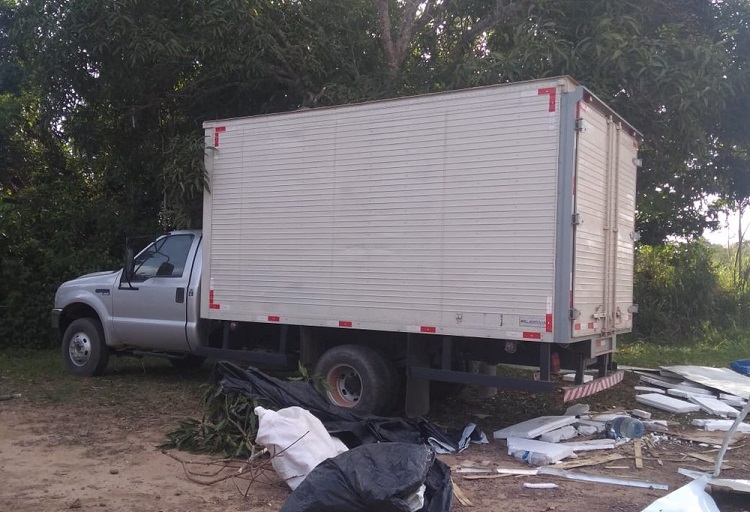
{"x":679,"y":293}
{"x":713,"y":350}
{"x":102,"y":105}
{"x":229,"y":426}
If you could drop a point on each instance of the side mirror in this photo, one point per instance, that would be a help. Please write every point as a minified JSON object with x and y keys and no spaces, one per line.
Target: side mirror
{"x":129,"y":268}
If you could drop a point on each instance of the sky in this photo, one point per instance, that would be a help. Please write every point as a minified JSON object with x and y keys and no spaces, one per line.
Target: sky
{"x":727,"y":234}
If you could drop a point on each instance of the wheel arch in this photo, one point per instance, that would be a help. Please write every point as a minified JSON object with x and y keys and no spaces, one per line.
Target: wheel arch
{"x":77,"y":310}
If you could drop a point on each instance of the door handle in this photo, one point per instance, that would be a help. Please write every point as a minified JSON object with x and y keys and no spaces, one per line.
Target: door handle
{"x":179,"y":296}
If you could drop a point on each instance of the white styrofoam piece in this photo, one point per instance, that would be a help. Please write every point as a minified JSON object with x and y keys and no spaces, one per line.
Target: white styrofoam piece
{"x":666,"y":403}
{"x":561,"y":434}
{"x":534,"y":427}
{"x":656,"y":425}
{"x":598,"y":425}
{"x":734,"y":402}
{"x":681,"y":393}
{"x":589,"y":430}
{"x":727,"y":396}
{"x":695,"y":390}
{"x":594,"y":444}
{"x":571,"y":377}
{"x":724,"y":425}
{"x":608,"y":416}
{"x":638,"y":413}
{"x":529,"y":485}
{"x":723,"y":379}
{"x":555,"y":451}
{"x":714,"y":406}
{"x":655,"y":381}
{"x":648,"y":389}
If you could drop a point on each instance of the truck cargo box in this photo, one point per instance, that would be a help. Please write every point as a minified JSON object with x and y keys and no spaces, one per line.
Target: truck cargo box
{"x":502,"y":212}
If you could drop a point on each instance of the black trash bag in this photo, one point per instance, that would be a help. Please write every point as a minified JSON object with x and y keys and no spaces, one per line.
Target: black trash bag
{"x":352,"y":428}
{"x":374,"y":478}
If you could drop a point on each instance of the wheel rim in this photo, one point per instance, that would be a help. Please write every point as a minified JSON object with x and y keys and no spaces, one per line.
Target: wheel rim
{"x":345,"y":385}
{"x":79,"y":349}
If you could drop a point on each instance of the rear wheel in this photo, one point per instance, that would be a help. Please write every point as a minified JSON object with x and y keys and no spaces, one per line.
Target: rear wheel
{"x":84,"y":351}
{"x":358,"y":378}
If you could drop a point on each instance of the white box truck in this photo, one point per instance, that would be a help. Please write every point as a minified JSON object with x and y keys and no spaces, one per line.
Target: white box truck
{"x":387,"y":244}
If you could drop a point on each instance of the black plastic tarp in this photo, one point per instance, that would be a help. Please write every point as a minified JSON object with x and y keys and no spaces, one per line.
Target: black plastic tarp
{"x":374,"y":477}
{"x":389,"y":458}
{"x":352,"y":428}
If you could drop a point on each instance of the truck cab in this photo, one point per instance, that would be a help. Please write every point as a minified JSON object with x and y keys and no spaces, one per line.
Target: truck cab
{"x":151,"y":307}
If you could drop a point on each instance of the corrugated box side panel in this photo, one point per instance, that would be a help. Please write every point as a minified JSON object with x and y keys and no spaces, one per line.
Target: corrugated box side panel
{"x":434,"y":212}
{"x":626,"y":192}
{"x":590,"y":234}
{"x":605,"y":202}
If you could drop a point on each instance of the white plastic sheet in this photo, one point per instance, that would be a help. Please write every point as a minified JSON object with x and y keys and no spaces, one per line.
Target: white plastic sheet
{"x":689,"y":498}
{"x":297,"y":440}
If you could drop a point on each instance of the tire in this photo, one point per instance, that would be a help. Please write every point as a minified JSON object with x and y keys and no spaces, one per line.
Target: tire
{"x":188,"y":362}
{"x":358,"y":378}
{"x":84,"y":351}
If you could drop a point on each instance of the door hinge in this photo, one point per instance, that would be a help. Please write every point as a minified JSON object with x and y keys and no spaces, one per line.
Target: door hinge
{"x":580,"y":125}
{"x":577,"y":220}
{"x":574,"y":314}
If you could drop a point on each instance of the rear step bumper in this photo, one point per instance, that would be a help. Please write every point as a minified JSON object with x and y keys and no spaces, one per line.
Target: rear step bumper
{"x":594,"y":386}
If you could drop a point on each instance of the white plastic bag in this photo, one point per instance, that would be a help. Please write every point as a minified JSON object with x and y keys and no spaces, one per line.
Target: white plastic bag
{"x":296,"y":440}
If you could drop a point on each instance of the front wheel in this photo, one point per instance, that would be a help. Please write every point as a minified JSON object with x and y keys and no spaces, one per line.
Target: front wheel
{"x":84,"y":351}
{"x":358,"y":378}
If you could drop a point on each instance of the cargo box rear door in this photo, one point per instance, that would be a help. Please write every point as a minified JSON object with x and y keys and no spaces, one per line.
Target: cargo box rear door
{"x":602,"y":290}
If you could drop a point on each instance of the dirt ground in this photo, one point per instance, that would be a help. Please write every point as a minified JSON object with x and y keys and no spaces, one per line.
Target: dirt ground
{"x":102,"y":454}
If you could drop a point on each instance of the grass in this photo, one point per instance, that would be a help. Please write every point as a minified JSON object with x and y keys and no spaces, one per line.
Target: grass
{"x":40,"y":377}
{"x":704,"y":353}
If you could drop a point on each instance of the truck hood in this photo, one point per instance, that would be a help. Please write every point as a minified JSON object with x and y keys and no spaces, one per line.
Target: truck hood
{"x":93,"y":275}
{"x":96,"y":282}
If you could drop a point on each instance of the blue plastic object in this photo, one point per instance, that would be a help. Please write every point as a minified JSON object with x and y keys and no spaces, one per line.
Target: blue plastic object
{"x":741,"y":366}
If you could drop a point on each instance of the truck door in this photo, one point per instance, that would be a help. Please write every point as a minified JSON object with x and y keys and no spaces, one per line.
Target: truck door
{"x":606,"y":169}
{"x":152,"y":312}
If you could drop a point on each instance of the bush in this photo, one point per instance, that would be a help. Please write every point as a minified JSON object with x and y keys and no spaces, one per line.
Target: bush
{"x":680,"y":295}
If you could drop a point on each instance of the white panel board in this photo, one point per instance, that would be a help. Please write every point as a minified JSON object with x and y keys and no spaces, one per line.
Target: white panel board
{"x":535,"y":427}
{"x":714,"y":406}
{"x":722,"y":379}
{"x":666,"y":403}
{"x":604,"y":237}
{"x":555,"y":451}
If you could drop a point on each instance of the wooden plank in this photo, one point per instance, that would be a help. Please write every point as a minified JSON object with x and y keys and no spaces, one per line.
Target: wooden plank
{"x":460,"y":496}
{"x":708,"y":458}
{"x":638,"y":454}
{"x":486,"y":477}
{"x":590,"y":461}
